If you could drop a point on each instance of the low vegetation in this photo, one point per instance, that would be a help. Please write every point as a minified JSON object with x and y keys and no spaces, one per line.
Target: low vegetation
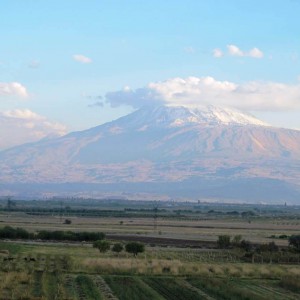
{"x":9,"y":232}
{"x":187,"y":252}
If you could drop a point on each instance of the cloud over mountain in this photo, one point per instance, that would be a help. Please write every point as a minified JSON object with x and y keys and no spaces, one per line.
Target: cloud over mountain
{"x":23,"y":126}
{"x":195,"y":91}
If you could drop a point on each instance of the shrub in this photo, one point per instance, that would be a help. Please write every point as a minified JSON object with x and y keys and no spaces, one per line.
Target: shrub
{"x":118,"y":247}
{"x":223,"y":241}
{"x":135,"y":248}
{"x":246,"y":245}
{"x":9,"y":232}
{"x":272,"y":247}
{"x":102,"y":246}
{"x":70,"y":235}
{"x":283,"y":236}
{"x":236,"y":240}
{"x":247,"y":214}
{"x":294,"y":241}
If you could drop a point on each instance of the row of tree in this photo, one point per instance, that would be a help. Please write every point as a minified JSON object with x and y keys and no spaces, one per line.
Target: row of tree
{"x":225,"y":242}
{"x":9,"y":232}
{"x":133,"y":247}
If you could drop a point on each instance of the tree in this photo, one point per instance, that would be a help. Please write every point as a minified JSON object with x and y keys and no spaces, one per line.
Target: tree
{"x":272,"y":247}
{"x":294,"y":241}
{"x":118,"y":247}
{"x":223,"y":241}
{"x":236,"y":240}
{"x":135,"y":248}
{"x":246,"y":245}
{"x":247,"y":214}
{"x":102,"y":246}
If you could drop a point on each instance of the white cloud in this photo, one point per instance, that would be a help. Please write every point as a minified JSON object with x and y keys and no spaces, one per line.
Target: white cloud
{"x":218,"y":53}
{"x":135,"y":98}
{"x":23,"y":126}
{"x":22,"y":114}
{"x":233,"y":50}
{"x":82,"y":59}
{"x":13,"y":89}
{"x":194,"y":91}
{"x":256,"y":53}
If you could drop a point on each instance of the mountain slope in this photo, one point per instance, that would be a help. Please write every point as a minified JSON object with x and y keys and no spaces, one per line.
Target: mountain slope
{"x":162,"y":144}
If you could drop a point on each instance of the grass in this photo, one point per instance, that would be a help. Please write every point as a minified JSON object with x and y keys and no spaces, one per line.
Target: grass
{"x":225,"y":289}
{"x":204,"y":227}
{"x":172,"y":288}
{"x":291,"y":283}
{"x":37,"y":285}
{"x":51,"y":285}
{"x":216,"y":280}
{"x":87,"y":288}
{"x":131,"y":288}
{"x":69,"y":287}
{"x":72,"y":270}
{"x":14,"y":248}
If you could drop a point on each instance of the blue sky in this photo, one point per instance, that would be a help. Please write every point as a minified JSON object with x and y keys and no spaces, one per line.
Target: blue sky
{"x":134,"y":43}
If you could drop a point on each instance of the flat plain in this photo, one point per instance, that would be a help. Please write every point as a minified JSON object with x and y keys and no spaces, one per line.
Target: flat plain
{"x":182,"y":259}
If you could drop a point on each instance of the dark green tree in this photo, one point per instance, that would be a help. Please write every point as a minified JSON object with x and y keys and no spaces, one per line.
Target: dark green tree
{"x":236,"y":240}
{"x":102,"y":245}
{"x":272,"y":247}
{"x":135,"y":248}
{"x":294,"y":242}
{"x":118,"y":247}
{"x":223,"y":241}
{"x":246,"y":245}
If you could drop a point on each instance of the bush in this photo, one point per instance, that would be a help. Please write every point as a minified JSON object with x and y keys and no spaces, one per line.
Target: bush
{"x":102,"y":246}
{"x":272,"y":247}
{"x":118,"y":247}
{"x":135,"y":248}
{"x":247,"y":214}
{"x":223,"y":241}
{"x":236,"y":240}
{"x":294,"y":241}
{"x":283,"y":236}
{"x":246,"y":245}
{"x":70,"y":236}
{"x":9,"y":232}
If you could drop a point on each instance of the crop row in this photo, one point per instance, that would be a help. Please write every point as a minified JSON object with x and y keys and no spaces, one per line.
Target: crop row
{"x":40,"y":285}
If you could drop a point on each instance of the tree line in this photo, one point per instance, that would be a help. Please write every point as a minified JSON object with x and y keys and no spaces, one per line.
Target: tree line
{"x":9,"y":232}
{"x":225,"y":242}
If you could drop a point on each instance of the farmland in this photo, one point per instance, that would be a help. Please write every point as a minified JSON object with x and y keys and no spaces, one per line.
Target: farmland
{"x":182,"y":259}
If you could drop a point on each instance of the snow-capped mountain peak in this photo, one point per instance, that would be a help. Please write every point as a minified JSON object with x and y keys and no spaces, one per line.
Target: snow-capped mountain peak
{"x":176,"y":116}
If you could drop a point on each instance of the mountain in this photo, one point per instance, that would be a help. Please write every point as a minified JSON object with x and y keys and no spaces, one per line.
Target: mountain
{"x":204,"y":152}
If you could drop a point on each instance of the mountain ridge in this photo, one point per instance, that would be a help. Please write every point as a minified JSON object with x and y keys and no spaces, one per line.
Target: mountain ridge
{"x":163,"y":144}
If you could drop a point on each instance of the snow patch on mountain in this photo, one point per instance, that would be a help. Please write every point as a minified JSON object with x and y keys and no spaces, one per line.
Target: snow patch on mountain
{"x":179,"y":116}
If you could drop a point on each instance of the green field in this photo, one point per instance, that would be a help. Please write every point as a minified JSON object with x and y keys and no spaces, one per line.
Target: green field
{"x":181,"y":258}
